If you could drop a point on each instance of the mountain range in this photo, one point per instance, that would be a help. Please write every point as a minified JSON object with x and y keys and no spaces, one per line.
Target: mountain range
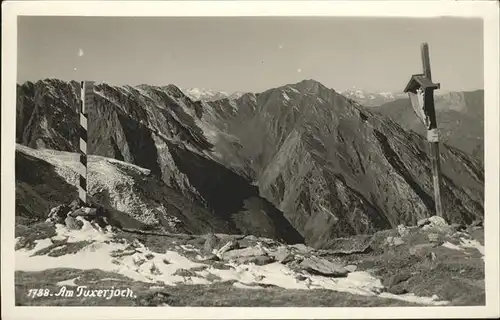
{"x":367,"y":99}
{"x":460,"y":113}
{"x":299,"y":163}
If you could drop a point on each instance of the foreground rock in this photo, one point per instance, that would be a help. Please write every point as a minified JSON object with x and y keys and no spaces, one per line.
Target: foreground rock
{"x":255,"y":255}
{"x":68,"y":215}
{"x":323,"y":267}
{"x":58,"y":214}
{"x":436,"y":224}
{"x":345,"y":246}
{"x":283,"y":254}
{"x":73,"y":223}
{"x":210,"y":244}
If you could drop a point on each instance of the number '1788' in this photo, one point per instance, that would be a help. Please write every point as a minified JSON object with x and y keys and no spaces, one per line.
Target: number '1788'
{"x":39,"y":293}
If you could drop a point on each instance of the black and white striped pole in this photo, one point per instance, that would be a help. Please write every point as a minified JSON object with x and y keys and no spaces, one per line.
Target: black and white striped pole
{"x":86,"y":100}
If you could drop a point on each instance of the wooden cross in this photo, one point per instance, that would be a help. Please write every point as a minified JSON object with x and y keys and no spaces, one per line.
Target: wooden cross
{"x":421,"y":92}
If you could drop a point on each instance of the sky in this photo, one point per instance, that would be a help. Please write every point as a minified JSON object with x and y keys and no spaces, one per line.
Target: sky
{"x":251,"y":54}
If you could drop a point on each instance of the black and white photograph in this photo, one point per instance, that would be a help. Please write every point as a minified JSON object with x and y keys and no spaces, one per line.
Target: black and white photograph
{"x":251,"y":161}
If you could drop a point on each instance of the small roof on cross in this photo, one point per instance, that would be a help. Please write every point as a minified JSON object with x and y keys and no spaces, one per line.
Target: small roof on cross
{"x":420,"y":81}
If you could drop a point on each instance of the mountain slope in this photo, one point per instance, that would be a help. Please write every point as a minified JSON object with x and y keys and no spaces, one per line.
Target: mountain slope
{"x":334,"y":167}
{"x":329,"y":166}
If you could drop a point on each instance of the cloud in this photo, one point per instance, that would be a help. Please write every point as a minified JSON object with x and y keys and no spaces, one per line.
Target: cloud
{"x":80,"y":52}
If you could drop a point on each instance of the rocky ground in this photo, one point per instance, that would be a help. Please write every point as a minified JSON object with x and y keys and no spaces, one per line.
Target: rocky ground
{"x":430,"y":264}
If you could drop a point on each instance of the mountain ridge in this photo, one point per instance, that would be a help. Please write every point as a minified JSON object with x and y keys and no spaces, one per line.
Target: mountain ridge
{"x":332,"y":167}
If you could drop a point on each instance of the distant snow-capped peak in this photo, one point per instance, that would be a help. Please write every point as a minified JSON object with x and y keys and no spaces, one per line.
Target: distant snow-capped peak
{"x":203,"y":94}
{"x":370,"y":99}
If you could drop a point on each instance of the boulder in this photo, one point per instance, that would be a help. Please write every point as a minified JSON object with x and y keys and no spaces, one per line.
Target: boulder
{"x":354,"y":244}
{"x":220,"y":266}
{"x":323,"y":267}
{"x":396,"y":279}
{"x":230,"y":245}
{"x":423,"y":222}
{"x":351,"y":268}
{"x":438,"y":221}
{"x":432,"y":256}
{"x":209,"y":258}
{"x":301,"y":248}
{"x":300,"y":277}
{"x":394,"y":241}
{"x":197,"y":242}
{"x":478,"y":224}
{"x":75,"y":204}
{"x":397,"y":290}
{"x":242,"y":253}
{"x":58,"y":214}
{"x":433,"y":237}
{"x":458,"y":227}
{"x":73,"y":223}
{"x":122,"y":253}
{"x":248,"y":242}
{"x":282,"y":254}
{"x":421,"y":250}
{"x":102,"y":222}
{"x":268,"y":243}
{"x":186,"y":273}
{"x":250,"y":237}
{"x":257,"y":260}
{"x":437,"y":225}
{"x":210,"y":244}
{"x":403,"y":231}
{"x":83,"y":212}
{"x":153,"y":299}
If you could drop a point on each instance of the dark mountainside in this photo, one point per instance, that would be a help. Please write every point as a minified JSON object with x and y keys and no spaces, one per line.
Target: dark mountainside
{"x":296,"y":162}
{"x":460,"y":119}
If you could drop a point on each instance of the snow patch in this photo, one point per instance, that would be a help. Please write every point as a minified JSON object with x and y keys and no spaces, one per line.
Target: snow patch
{"x":44,"y":124}
{"x":87,"y":233}
{"x":468,"y":243}
{"x":234,"y":106}
{"x":410,"y":297}
{"x":202,"y":94}
{"x":387,"y":95}
{"x":287,"y":98}
{"x":69,"y":282}
{"x":450,"y":245}
{"x":94,"y":256}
